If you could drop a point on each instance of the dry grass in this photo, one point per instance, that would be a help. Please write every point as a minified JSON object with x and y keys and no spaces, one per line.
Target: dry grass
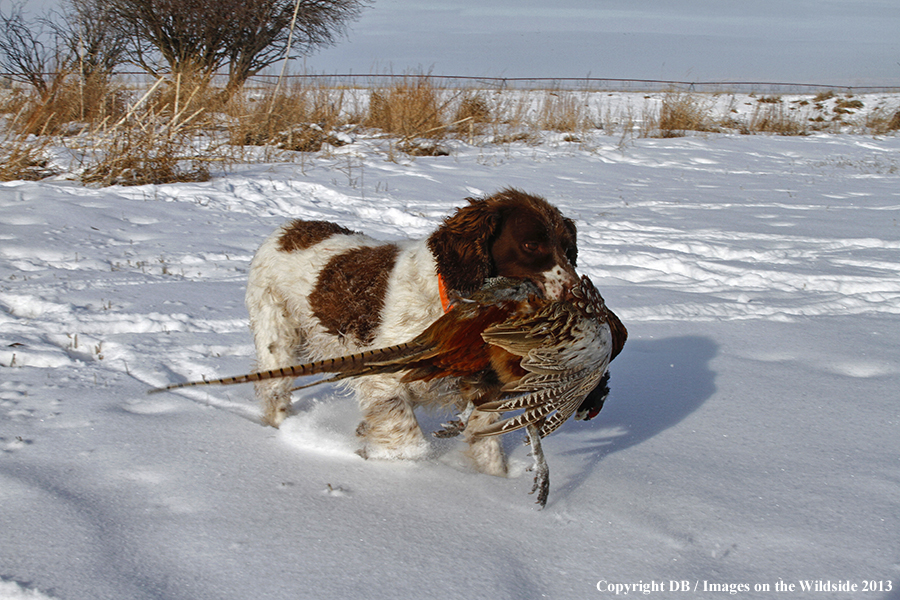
{"x":563,"y":112}
{"x":680,"y":113}
{"x":23,"y":157}
{"x":882,"y":121}
{"x":776,"y":118}
{"x":145,"y":155}
{"x":409,"y":108}
{"x":155,"y":142}
{"x":473,"y":114}
{"x":302,"y":119}
{"x":181,"y":127}
{"x":71,"y":104}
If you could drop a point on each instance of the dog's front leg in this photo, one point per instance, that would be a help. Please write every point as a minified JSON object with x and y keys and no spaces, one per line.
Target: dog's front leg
{"x":485,"y":451}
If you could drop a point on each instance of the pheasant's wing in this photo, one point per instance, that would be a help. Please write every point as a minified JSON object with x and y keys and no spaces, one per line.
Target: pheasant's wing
{"x":566,"y":348}
{"x":565,"y":354}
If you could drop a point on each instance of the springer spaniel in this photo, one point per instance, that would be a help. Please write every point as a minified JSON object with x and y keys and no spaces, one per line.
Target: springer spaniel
{"x":318,"y":290}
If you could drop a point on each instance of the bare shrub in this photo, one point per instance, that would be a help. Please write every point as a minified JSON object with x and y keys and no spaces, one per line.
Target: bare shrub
{"x":28,"y":52}
{"x":96,"y":40}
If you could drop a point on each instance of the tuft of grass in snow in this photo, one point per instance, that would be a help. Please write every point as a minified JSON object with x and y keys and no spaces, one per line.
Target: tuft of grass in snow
{"x":23,"y":157}
{"x":774,"y":117}
{"x":70,"y":105}
{"x":301,"y":118}
{"x":881,"y":121}
{"x":680,"y":113}
{"x":409,"y":108}
{"x":156,"y":144}
{"x":473,"y":114}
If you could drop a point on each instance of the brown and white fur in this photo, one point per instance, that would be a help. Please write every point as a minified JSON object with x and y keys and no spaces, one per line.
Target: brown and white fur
{"x":318,"y":290}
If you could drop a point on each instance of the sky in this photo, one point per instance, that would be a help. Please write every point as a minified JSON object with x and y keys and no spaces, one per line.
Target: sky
{"x":848,"y":42}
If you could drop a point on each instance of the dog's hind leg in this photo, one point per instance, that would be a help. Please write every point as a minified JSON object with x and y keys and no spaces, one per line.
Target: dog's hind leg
{"x":389,"y":427}
{"x":278,"y":339}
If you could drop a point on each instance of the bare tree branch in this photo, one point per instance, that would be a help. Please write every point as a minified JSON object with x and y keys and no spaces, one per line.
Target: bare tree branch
{"x":95,"y":37}
{"x":245,"y":36}
{"x":30,"y":50}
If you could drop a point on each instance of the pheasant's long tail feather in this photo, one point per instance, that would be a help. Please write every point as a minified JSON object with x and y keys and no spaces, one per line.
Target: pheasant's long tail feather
{"x":371,"y":362}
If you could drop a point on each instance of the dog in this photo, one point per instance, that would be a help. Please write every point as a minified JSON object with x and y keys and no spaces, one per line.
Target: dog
{"x":317,"y":290}
{"x":540,"y":361}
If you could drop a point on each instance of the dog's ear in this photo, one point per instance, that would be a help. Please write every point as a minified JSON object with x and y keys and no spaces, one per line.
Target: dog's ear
{"x":461,"y":246}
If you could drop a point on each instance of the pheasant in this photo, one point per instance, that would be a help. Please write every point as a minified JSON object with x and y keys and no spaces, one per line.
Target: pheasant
{"x":512,"y":349}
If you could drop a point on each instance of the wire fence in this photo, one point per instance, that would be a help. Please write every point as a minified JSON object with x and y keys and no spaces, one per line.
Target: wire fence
{"x":599,"y":84}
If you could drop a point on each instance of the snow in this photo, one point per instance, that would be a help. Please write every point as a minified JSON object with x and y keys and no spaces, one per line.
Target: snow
{"x":752,"y":435}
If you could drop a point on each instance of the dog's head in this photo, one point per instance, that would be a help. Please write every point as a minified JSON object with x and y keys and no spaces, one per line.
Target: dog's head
{"x":508,"y":234}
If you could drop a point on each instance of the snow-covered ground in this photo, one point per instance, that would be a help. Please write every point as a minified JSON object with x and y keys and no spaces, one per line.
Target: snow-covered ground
{"x":752,"y":437}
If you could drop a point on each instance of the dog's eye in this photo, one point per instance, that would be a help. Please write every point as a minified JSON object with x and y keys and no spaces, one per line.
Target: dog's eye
{"x":531,"y":246}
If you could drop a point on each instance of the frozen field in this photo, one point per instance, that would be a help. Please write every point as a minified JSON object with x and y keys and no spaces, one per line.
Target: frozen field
{"x":752,"y":437}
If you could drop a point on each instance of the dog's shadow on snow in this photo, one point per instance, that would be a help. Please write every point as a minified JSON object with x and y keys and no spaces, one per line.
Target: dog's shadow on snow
{"x":655,"y":384}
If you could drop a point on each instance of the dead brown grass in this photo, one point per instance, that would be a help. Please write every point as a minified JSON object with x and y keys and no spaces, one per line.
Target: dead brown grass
{"x":72,"y":104}
{"x":561,"y":111}
{"x":23,"y":157}
{"x":409,"y":108}
{"x":181,"y":127}
{"x":473,"y":114}
{"x":883,"y":121}
{"x":680,"y":113}
{"x":775,"y":118}
{"x":155,"y":142}
{"x":302,"y":118}
{"x":145,"y":155}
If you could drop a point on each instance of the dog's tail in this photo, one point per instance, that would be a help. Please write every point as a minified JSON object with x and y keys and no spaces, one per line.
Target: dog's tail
{"x":371,"y":362}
